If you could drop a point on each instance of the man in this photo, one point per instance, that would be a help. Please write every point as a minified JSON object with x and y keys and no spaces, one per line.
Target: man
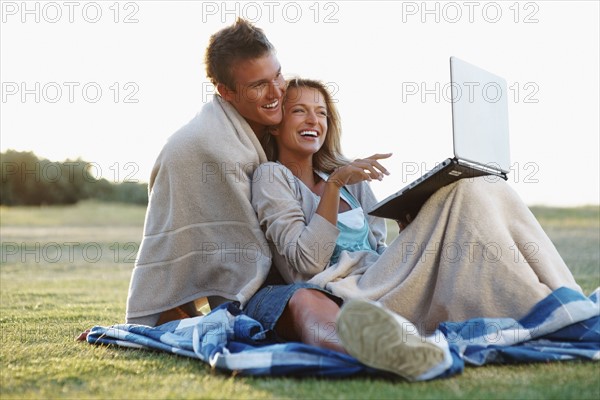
{"x":201,"y":236}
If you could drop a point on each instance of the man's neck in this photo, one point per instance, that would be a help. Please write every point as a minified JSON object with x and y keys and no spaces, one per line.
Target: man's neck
{"x":259,"y":130}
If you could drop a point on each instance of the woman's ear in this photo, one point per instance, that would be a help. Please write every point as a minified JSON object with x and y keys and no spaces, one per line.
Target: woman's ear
{"x":274,"y":130}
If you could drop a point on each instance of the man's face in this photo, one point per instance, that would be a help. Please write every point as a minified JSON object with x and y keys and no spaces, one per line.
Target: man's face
{"x":258,"y":92}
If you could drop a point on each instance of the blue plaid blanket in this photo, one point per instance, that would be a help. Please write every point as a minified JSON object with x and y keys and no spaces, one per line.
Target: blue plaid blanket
{"x":563,"y":326}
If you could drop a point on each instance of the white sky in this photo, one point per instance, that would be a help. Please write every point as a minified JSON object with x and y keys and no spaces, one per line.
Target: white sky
{"x":371,"y":53}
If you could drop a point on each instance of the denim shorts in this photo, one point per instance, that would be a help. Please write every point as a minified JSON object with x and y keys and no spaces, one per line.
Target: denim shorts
{"x":267,"y":305}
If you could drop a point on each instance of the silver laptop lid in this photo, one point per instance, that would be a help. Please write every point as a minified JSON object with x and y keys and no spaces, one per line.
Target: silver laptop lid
{"x":479,"y":116}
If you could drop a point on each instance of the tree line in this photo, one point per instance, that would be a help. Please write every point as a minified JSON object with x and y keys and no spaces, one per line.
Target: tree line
{"x":29,"y":180}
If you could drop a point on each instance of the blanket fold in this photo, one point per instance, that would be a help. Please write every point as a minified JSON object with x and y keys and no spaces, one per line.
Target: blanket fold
{"x":190,"y":248}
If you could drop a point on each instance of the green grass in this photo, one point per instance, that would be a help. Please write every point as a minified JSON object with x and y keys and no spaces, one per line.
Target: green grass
{"x":85,"y":255}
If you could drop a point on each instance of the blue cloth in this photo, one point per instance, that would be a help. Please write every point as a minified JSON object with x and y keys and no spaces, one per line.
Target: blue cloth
{"x":352,"y":224}
{"x":563,"y":326}
{"x":228,"y":340}
{"x":354,"y":228}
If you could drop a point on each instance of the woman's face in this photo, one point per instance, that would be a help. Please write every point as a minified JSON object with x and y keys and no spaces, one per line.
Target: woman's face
{"x":304,"y":126}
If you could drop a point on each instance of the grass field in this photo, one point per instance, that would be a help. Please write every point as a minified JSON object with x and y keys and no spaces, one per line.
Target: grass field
{"x":64,"y":269}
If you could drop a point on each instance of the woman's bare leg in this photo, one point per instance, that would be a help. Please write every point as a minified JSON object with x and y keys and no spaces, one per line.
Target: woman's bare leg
{"x":310,"y":317}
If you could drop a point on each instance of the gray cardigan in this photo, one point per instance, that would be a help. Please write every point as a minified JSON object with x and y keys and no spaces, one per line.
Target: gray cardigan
{"x":302,"y":241}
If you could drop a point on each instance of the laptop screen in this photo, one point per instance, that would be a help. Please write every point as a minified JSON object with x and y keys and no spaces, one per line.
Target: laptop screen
{"x":479,"y":116}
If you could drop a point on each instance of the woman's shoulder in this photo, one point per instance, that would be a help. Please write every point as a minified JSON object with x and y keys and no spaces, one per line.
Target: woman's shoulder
{"x":363,"y":192}
{"x":269,"y":165}
{"x":273,"y":172}
{"x":270,"y":168}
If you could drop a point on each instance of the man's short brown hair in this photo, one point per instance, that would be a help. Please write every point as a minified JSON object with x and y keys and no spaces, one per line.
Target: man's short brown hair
{"x":240,"y":41}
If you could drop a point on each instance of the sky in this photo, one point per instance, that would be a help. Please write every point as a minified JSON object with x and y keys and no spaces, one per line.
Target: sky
{"x":109,"y":82}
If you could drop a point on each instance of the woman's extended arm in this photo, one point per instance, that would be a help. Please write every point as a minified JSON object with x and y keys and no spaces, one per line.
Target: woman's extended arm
{"x":357,"y":171}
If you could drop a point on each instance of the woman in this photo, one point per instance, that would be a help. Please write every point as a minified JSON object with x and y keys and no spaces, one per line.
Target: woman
{"x":474,"y":249}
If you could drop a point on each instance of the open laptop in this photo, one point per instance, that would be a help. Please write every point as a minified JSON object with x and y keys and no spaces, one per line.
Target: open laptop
{"x":480,"y":136}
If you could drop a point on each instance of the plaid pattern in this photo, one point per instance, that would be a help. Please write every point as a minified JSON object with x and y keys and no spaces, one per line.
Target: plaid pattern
{"x":563,"y":326}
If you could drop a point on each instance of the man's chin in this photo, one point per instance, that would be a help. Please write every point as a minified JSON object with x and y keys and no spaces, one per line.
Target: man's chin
{"x":270,"y":120}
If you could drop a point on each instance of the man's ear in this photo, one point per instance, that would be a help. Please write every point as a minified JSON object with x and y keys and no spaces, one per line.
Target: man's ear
{"x":225,"y":92}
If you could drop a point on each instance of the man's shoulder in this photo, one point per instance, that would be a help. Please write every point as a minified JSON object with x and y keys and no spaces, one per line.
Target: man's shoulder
{"x":195,"y":131}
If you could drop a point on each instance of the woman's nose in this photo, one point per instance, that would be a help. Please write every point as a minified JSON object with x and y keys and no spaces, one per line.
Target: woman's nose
{"x":311,"y":117}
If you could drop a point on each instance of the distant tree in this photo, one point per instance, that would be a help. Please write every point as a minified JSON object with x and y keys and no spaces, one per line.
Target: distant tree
{"x":28,"y":180}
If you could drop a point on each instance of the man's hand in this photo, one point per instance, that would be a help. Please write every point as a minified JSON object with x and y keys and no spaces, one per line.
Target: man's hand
{"x":403,"y":223}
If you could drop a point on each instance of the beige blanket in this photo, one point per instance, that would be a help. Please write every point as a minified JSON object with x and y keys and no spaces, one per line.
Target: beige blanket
{"x":201,"y":235}
{"x":474,"y":250}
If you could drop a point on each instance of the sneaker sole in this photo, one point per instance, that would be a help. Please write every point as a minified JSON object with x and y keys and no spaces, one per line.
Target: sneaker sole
{"x":384,"y":341}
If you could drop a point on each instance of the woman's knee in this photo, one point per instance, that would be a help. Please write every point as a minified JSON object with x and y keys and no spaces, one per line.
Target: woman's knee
{"x":307,"y":298}
{"x":312,"y":304}
{"x":481,"y":187}
{"x":472,"y":185}
{"x":304,"y":308}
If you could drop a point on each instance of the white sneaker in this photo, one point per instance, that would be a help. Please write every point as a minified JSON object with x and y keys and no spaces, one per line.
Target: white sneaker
{"x":384,"y":340}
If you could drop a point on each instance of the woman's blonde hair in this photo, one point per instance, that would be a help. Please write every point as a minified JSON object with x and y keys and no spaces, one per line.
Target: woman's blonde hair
{"x":329,"y":157}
